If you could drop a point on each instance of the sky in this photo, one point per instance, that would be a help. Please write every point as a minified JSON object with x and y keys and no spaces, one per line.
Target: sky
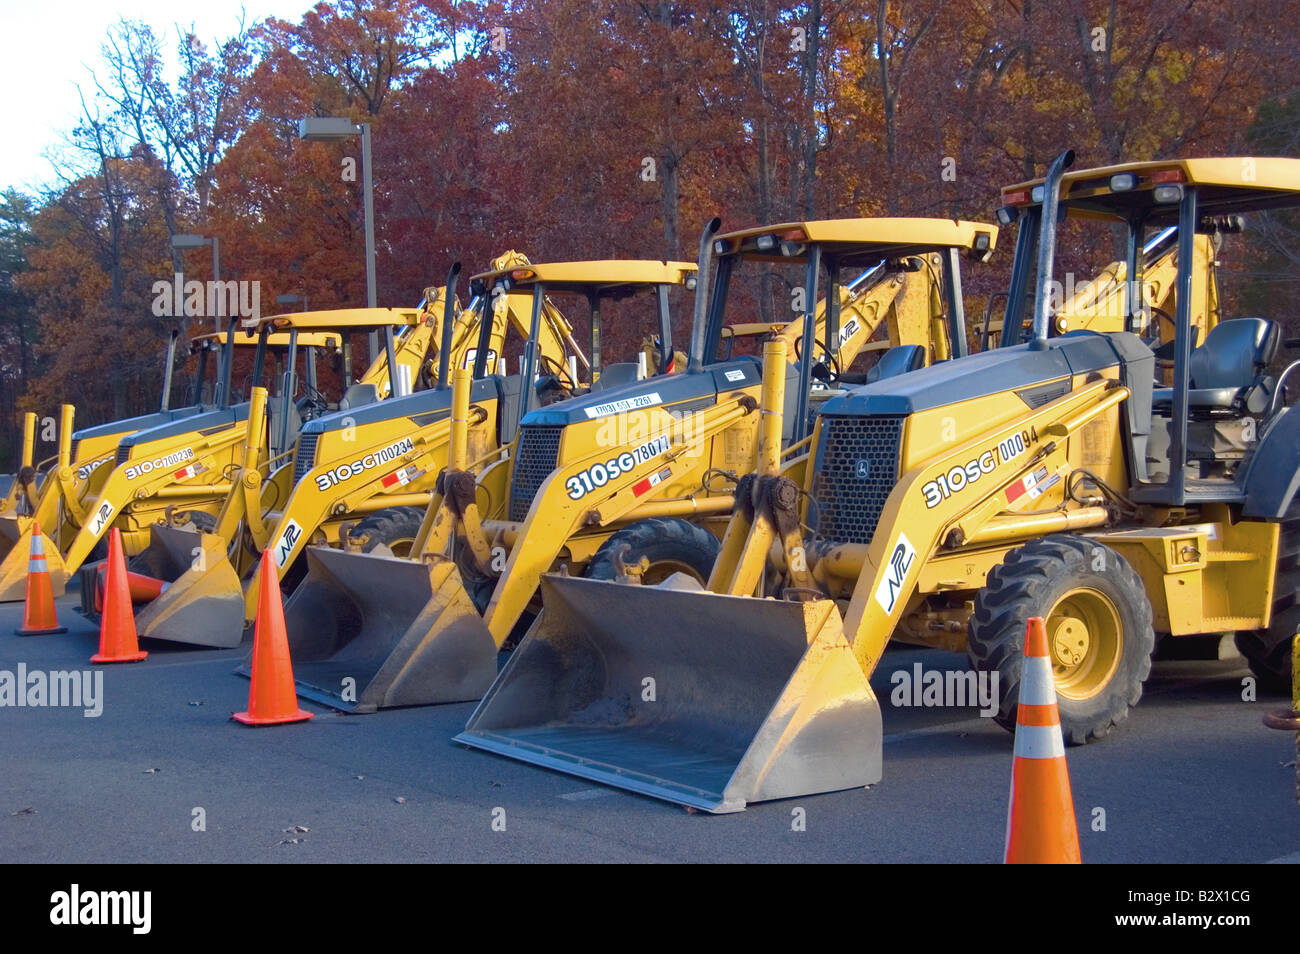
{"x":46,"y":47}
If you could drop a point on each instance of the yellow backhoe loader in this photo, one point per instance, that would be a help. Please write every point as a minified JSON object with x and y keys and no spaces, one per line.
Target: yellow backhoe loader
{"x":643,"y":465}
{"x":85,"y":452}
{"x":76,"y":473}
{"x":155,"y":470}
{"x":365,"y":474}
{"x":1054,"y":478}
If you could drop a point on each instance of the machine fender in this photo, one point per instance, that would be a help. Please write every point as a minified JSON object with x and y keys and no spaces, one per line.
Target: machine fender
{"x":1274,"y":473}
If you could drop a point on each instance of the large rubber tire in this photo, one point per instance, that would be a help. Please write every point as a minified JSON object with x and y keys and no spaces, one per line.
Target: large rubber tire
{"x":394,"y":527}
{"x":1099,"y":631}
{"x":670,"y":544}
{"x":1268,"y":651}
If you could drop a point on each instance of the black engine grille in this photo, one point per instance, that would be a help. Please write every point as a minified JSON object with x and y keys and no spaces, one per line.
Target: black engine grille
{"x":123,"y":455}
{"x":856,"y":468}
{"x":305,"y":457}
{"x":539,"y":448}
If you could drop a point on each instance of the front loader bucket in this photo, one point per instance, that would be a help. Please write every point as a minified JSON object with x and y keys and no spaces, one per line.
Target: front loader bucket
{"x":10,"y":531}
{"x":704,"y":700}
{"x":13,"y":568}
{"x":370,"y":632}
{"x":203,"y":605}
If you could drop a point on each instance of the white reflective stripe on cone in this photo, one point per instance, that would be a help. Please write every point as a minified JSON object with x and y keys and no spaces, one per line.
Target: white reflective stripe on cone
{"x":1039,"y":742}
{"x":1037,"y":688}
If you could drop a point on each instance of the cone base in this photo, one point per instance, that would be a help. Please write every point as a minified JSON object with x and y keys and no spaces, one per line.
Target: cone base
{"x":48,"y":631}
{"x":249,"y":719}
{"x":129,"y":657}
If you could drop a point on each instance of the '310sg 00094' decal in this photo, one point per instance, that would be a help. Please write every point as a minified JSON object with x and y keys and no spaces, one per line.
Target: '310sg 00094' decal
{"x":961,"y":476}
{"x":358,"y":467}
{"x":598,"y":475}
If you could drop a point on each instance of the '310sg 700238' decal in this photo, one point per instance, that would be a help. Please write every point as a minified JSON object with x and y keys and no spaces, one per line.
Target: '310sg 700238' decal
{"x":598,"y":475}
{"x":961,"y":476}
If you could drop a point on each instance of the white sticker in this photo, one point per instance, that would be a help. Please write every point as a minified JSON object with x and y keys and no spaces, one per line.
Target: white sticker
{"x":158,"y":463}
{"x":489,"y":366}
{"x":900,"y":562}
{"x":624,"y":404}
{"x":598,"y":475}
{"x":358,"y":467}
{"x":851,"y":328}
{"x":288,"y":540}
{"x":102,"y":516}
{"x":736,"y":375}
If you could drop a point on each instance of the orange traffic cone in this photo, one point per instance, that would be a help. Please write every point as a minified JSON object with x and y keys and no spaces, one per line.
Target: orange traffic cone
{"x":117,"y":637}
{"x":39,"y":618}
{"x":143,"y":589}
{"x":271,"y":696}
{"x":1040,"y":821}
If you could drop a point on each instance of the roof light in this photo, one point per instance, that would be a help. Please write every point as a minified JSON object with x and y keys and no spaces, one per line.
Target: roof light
{"x":1037,"y":194}
{"x":795,"y":235}
{"x":791,"y":249}
{"x":1007,"y":214}
{"x":1016,"y":198}
{"x":765,"y":243}
{"x":1161,"y":176}
{"x":721,"y":246}
{"x":1123,"y":182}
{"x":982,"y":241}
{"x":691,"y":282}
{"x":1167,"y":194}
{"x":523,"y":274}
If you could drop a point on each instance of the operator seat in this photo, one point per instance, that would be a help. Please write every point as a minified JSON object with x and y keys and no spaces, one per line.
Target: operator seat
{"x":1228,"y":371}
{"x":899,"y":359}
{"x":359,"y":395}
{"x":612,"y":375}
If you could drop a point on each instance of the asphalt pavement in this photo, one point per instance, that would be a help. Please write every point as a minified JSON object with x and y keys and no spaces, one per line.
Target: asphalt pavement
{"x":162,"y":774}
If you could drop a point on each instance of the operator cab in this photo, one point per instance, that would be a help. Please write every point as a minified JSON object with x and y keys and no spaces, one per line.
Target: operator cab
{"x":637,"y":292}
{"x":780,"y":271}
{"x":297,"y":398}
{"x":1206,"y":430}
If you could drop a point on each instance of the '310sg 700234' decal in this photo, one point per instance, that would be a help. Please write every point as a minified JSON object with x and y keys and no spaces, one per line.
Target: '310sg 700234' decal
{"x":598,"y":475}
{"x":961,"y":476}
{"x":358,"y":467}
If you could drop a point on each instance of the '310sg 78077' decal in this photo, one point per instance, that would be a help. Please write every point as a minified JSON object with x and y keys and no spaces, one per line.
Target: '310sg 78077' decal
{"x":961,"y":476}
{"x":598,"y":475}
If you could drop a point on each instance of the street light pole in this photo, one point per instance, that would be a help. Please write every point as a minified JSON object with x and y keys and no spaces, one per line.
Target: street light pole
{"x":338,"y":129}
{"x":169,"y":362}
{"x":181,"y":243}
{"x":369,"y":202}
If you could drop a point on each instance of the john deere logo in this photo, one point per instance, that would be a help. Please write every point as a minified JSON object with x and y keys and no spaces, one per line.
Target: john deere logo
{"x":863,"y":468}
